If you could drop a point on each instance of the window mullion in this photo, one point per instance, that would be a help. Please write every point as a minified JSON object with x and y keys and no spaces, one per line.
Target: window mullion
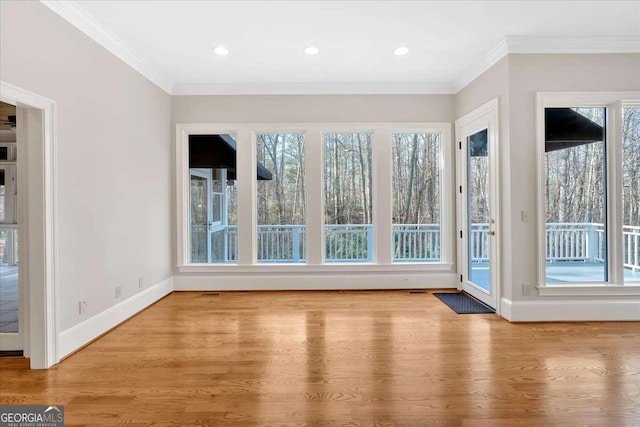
{"x":614,"y":194}
{"x":314,"y":208}
{"x":382,"y":196}
{"x":246,"y":161}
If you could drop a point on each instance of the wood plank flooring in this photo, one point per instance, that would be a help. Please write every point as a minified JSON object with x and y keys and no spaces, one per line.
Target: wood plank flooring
{"x":384,"y":358}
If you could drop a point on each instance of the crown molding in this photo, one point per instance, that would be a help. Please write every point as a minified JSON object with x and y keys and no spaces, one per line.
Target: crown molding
{"x":546,"y":45}
{"x":480,"y":65}
{"x":73,"y":14}
{"x":573,"y":44}
{"x":314,"y":88}
{"x":70,"y":11}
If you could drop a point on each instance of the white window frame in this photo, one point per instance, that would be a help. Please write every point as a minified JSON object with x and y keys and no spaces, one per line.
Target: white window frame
{"x":246,"y":185}
{"x":613,"y":102}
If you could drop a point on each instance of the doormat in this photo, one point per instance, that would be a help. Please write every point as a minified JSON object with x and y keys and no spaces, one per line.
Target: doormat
{"x":462,"y":303}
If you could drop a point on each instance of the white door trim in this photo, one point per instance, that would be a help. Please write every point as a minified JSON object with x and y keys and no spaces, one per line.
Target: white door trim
{"x":488,"y":115}
{"x":41,"y":334}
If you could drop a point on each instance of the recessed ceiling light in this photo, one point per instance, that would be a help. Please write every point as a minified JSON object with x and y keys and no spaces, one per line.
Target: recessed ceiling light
{"x":401,"y":51}
{"x":311,"y":50}
{"x":221,"y":50}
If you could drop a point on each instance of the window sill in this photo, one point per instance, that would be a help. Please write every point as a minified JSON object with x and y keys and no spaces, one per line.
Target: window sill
{"x":586,"y":290}
{"x":323,"y":268}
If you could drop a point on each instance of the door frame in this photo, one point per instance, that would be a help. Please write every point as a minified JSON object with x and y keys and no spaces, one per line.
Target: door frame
{"x":39,"y":312}
{"x":485,"y":116}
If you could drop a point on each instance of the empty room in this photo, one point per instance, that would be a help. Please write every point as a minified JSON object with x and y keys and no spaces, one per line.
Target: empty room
{"x":320,"y":213}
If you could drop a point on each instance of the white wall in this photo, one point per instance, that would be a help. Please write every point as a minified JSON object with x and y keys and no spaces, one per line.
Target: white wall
{"x":313,"y":108}
{"x":114,"y":173}
{"x":529,"y":74}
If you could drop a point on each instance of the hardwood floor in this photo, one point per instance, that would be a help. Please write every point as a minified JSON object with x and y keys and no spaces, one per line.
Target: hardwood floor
{"x":386,"y":358}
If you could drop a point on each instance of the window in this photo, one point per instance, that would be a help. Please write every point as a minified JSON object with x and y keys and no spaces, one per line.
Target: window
{"x":416,"y":196}
{"x":589,"y":145}
{"x":213,"y":199}
{"x":348,"y":197}
{"x":281,"y":197}
{"x":575,"y":195}
{"x":256,"y":198}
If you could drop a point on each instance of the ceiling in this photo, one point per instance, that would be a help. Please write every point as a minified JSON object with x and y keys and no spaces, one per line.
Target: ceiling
{"x":448,"y":41}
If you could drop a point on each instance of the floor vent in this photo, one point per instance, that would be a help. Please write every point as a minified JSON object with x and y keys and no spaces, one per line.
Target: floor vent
{"x":417,"y":291}
{"x":11,"y":353}
{"x":210,"y":294}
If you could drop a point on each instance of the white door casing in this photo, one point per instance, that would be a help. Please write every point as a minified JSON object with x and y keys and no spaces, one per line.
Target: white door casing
{"x":483,"y":118}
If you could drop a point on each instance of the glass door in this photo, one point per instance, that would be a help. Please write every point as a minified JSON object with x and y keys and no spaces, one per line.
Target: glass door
{"x":478,"y":207}
{"x":200,"y":215}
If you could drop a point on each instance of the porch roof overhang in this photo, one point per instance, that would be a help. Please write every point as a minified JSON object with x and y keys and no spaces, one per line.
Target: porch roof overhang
{"x":565,"y":128}
{"x":219,"y":152}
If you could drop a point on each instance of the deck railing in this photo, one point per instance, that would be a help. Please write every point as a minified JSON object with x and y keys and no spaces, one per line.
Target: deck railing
{"x":577,"y":242}
{"x":574,"y":242}
{"x":631,"y":243}
{"x":343,"y":243}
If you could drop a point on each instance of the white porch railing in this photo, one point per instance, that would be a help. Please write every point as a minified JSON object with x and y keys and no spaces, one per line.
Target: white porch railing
{"x":9,"y":244}
{"x":574,"y":242}
{"x":577,"y":242}
{"x":416,"y":242}
{"x":343,"y":243}
{"x":631,"y":242}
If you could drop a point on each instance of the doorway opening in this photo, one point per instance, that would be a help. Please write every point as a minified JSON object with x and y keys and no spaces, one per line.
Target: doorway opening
{"x":10,"y":339}
{"x":478,"y":206}
{"x":30,"y":173}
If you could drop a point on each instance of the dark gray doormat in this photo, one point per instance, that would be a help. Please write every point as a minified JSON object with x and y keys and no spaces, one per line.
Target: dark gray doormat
{"x":462,"y":303}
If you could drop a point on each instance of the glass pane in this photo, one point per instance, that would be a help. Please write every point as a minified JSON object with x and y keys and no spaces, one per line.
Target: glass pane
{"x":631,"y":192}
{"x":416,"y":197}
{"x":2,"y":191}
{"x":575,"y":195}
{"x":8,"y":280}
{"x":478,"y":206}
{"x":199,"y":223}
{"x":214,"y":231}
{"x":217,"y":196}
{"x":348,"y":197}
{"x":281,"y":197}
{"x":224,"y":233}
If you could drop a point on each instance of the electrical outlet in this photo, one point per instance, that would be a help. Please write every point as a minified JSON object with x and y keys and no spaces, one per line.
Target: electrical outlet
{"x":527,"y":289}
{"x":82,"y":307}
{"x":524,"y":215}
{"x":140,"y":282}
{"x":118,"y":292}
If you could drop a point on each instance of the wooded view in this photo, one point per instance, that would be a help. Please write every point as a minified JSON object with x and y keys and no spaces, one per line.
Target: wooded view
{"x":576,"y":180}
{"x":416,"y":178}
{"x":631,"y":166}
{"x":281,"y":201}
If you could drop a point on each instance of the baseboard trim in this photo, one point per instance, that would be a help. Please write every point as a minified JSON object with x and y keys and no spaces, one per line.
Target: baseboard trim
{"x":574,"y":311}
{"x":83,"y":333}
{"x":301,"y":282}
